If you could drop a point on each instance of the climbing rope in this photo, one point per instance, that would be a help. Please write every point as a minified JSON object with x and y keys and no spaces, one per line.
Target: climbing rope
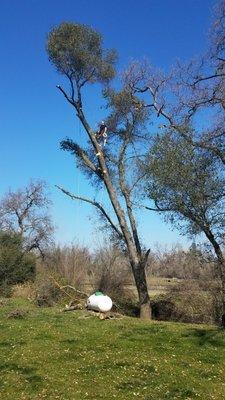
{"x":78,"y":175}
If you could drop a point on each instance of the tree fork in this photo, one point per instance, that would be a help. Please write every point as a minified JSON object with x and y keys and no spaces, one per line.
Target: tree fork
{"x":142,"y":288}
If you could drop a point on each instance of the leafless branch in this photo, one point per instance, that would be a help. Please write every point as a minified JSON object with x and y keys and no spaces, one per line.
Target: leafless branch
{"x":207,"y":78}
{"x":71,"y":101}
{"x":95,"y":204}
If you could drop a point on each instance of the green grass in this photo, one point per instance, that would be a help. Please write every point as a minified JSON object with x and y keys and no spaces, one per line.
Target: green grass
{"x":53,"y":355}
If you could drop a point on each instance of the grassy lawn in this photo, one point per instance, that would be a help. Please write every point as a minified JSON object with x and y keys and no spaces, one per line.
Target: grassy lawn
{"x":53,"y":355}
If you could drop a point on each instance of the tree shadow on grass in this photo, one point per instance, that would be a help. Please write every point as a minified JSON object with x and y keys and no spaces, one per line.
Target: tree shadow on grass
{"x":180,"y":392}
{"x":44,"y":336}
{"x":6,"y":343}
{"x":150,"y":329}
{"x":131,"y":384}
{"x":69,"y":341}
{"x":205,"y":337}
{"x":141,"y":332}
{"x":29,"y":373}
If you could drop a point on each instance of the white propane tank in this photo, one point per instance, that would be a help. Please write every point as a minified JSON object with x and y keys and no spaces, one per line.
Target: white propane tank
{"x":99,"y":302}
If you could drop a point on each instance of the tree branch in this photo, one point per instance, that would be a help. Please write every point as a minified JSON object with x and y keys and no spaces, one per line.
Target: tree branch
{"x":179,"y":128}
{"x":95,"y":204}
{"x":137,"y":181}
{"x":71,"y":101}
{"x":126,"y":192}
{"x":157,"y":209}
{"x":74,"y":148}
{"x":207,"y":78}
{"x":72,"y":88}
{"x":145,"y":259}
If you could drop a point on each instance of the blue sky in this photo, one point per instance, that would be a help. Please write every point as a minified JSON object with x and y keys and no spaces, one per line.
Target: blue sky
{"x":33,"y":115}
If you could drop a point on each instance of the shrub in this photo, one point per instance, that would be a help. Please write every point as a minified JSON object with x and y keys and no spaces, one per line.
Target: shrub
{"x":70,"y":263}
{"x":47,"y":292}
{"x":185,"y":302}
{"x":25,"y":290}
{"x":15,"y":265}
{"x":17,"y":314}
{"x":216,"y":291}
{"x":5,"y":289}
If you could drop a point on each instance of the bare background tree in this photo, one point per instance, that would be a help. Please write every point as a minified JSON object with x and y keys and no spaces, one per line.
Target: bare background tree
{"x":190,"y":99}
{"x":25,"y":211}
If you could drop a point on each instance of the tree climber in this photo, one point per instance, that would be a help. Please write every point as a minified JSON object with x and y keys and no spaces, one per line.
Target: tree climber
{"x":101,"y":135}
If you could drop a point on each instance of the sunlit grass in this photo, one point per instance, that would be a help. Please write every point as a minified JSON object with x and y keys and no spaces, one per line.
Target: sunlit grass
{"x":52,"y":355}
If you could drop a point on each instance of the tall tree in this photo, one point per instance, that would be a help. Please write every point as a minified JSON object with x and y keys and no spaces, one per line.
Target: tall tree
{"x":76,"y":51}
{"x":189,"y":103}
{"x":186,"y":185}
{"x":25,"y":211}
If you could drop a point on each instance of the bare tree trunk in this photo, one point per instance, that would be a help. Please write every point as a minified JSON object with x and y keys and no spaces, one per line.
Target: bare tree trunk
{"x":144,"y":300}
{"x":139,"y":273}
{"x":221,"y":270}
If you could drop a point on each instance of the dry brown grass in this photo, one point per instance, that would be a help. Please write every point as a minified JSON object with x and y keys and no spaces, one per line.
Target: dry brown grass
{"x":26,"y":291}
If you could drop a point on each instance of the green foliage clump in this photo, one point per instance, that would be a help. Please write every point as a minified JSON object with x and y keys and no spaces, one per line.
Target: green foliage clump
{"x":76,"y":51}
{"x":185,"y":182}
{"x":15,"y":265}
